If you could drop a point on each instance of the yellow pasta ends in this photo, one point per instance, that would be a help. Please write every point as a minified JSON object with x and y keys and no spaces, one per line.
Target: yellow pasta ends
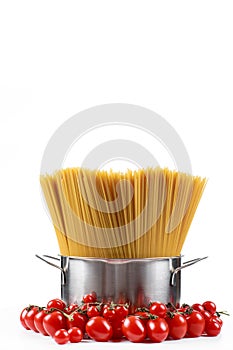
{"x":137,"y":214}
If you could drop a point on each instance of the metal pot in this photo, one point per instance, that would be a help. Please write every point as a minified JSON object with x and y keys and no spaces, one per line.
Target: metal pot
{"x":135,"y":281}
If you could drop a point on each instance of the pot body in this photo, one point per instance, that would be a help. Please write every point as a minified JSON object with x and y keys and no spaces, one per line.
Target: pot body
{"x":134,"y":281}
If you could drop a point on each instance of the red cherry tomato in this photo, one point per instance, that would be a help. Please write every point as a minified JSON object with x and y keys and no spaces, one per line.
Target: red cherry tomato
{"x":93,"y":311}
{"x":121,"y":311}
{"x":109,"y":313}
{"x":198,"y":307}
{"x":181,"y":309}
{"x":209,"y":306}
{"x":22,"y":318}
{"x":53,"y":322}
{"x":84,"y":307}
{"x":134,"y":329}
{"x":206,"y":315}
{"x":212,"y":328}
{"x":158,"y":309}
{"x":143,"y":315}
{"x":157,"y":330}
{"x":29,"y":318}
{"x":196,"y":324}
{"x":99,"y":329}
{"x":177,"y":326}
{"x":75,"y":334}
{"x":117,"y":328}
{"x":78,"y":320}
{"x":103,"y":307}
{"x":71,"y":308}
{"x":57,"y":304}
{"x":61,"y":336}
{"x":90,"y":298}
{"x":217,"y":319}
{"x":38,"y":321}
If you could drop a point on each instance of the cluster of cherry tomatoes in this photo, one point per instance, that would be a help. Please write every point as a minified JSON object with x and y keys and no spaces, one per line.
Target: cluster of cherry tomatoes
{"x":109,"y":321}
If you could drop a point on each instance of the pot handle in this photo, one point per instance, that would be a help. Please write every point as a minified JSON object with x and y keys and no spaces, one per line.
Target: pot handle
{"x":52,"y":264}
{"x":185,"y":264}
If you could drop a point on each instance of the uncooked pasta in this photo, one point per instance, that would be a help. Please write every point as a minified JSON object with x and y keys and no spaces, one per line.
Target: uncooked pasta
{"x":134,"y":214}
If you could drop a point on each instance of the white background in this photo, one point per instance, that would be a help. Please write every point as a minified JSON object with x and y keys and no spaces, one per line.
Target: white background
{"x":60,"y":57}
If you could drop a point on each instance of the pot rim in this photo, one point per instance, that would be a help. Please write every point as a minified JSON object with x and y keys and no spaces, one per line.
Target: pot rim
{"x":112,"y":260}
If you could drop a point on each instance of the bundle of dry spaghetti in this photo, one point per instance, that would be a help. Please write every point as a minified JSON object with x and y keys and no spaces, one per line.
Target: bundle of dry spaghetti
{"x":136,"y":214}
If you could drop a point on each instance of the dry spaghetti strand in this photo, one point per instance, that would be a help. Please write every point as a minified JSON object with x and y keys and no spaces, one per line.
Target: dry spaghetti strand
{"x":140,"y":214}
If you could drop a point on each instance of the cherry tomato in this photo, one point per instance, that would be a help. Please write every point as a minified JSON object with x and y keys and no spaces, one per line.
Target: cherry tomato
{"x":209,"y":306}
{"x":99,"y":329}
{"x":198,"y":307}
{"x":173,"y":308}
{"x":75,"y":334}
{"x":117,"y":328}
{"x":104,"y":307}
{"x":134,"y":329}
{"x":158,"y":309}
{"x":121,"y":311}
{"x":217,"y":319}
{"x":22,"y":318}
{"x":29,"y":318}
{"x":84,"y":307}
{"x":53,"y":322}
{"x":157,"y":330}
{"x":94,"y":295}
{"x":212,"y":328}
{"x":93,"y":311}
{"x":78,"y":320}
{"x":177,"y":326}
{"x":196,"y":324}
{"x":109,"y":313}
{"x":38,"y":321}
{"x":143,"y":315}
{"x":90,"y":298}
{"x":206,"y":315}
{"x":61,"y":336}
{"x":57,"y":304}
{"x":71,"y":308}
{"x":182,"y":309}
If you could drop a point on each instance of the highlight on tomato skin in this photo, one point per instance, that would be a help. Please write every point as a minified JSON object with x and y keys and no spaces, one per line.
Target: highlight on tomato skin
{"x":38,"y":321}
{"x":213,"y":328}
{"x":61,"y":336}
{"x":22,"y":318}
{"x":177,"y":325}
{"x":122,"y":311}
{"x":71,"y":308}
{"x":56,"y":304}
{"x":90,"y":298}
{"x":77,"y":319}
{"x":198,"y":307}
{"x":53,"y":322}
{"x":93,"y":311}
{"x":210,"y":306}
{"x":99,"y":329}
{"x":29,"y":318}
{"x":158,"y":309}
{"x":134,"y":329}
{"x":75,"y":335}
{"x":157,"y":329}
{"x":196,"y":324}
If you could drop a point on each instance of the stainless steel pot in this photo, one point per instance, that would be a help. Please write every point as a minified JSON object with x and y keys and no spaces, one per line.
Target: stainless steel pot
{"x":136,"y":281}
